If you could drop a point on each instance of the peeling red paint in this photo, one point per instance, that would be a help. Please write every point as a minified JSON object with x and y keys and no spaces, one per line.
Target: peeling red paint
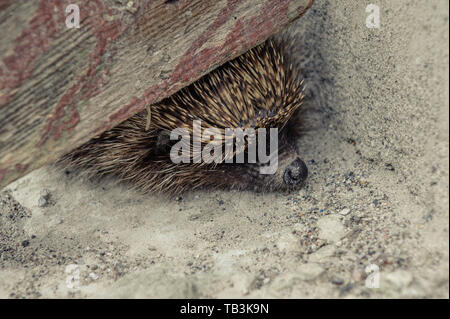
{"x":34,"y":40}
{"x":123,"y":113}
{"x":189,"y":65}
{"x":245,"y":32}
{"x":3,"y":173}
{"x":21,"y":168}
{"x":302,"y":9}
{"x":278,"y":16}
{"x":90,"y":84}
{"x":137,"y":104}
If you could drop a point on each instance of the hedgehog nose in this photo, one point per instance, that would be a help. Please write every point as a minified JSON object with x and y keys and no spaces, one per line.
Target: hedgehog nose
{"x":295,"y":173}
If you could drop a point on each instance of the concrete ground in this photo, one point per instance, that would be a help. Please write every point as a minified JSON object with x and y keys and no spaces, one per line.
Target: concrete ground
{"x":374,"y":211}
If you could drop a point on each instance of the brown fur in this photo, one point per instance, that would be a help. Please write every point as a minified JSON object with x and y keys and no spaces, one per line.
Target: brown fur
{"x":259,"y":89}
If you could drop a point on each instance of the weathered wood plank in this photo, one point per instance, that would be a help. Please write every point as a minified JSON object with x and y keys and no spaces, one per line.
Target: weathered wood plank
{"x":59,"y":87}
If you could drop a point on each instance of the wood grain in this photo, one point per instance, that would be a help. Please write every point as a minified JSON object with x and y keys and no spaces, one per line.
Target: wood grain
{"x":59,"y":87}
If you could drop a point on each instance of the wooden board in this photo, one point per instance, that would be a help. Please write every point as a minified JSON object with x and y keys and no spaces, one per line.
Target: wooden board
{"x":61,"y":86}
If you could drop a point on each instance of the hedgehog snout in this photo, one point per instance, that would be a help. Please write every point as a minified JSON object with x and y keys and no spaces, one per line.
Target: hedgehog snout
{"x":295,"y":173}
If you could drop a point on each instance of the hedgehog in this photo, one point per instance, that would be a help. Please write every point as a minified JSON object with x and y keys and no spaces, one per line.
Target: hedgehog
{"x":260,"y":89}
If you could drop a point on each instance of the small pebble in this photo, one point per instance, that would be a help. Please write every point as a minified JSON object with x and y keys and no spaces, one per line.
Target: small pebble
{"x":42,"y":202}
{"x":345,"y":211}
{"x":337,"y":281}
{"x":45,"y":193}
{"x":44,"y":199}
{"x":346,"y":289}
{"x":93,"y":276}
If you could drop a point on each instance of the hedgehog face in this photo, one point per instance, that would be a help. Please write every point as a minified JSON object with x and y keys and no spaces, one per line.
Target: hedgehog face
{"x":290,"y":175}
{"x":256,"y":91}
{"x":289,"y":171}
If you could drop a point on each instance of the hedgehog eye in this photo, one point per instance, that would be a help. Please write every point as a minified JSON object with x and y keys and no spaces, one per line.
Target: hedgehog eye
{"x":163,"y":142}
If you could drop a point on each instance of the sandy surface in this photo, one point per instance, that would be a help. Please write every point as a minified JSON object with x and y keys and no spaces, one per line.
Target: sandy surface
{"x":376,"y":142}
